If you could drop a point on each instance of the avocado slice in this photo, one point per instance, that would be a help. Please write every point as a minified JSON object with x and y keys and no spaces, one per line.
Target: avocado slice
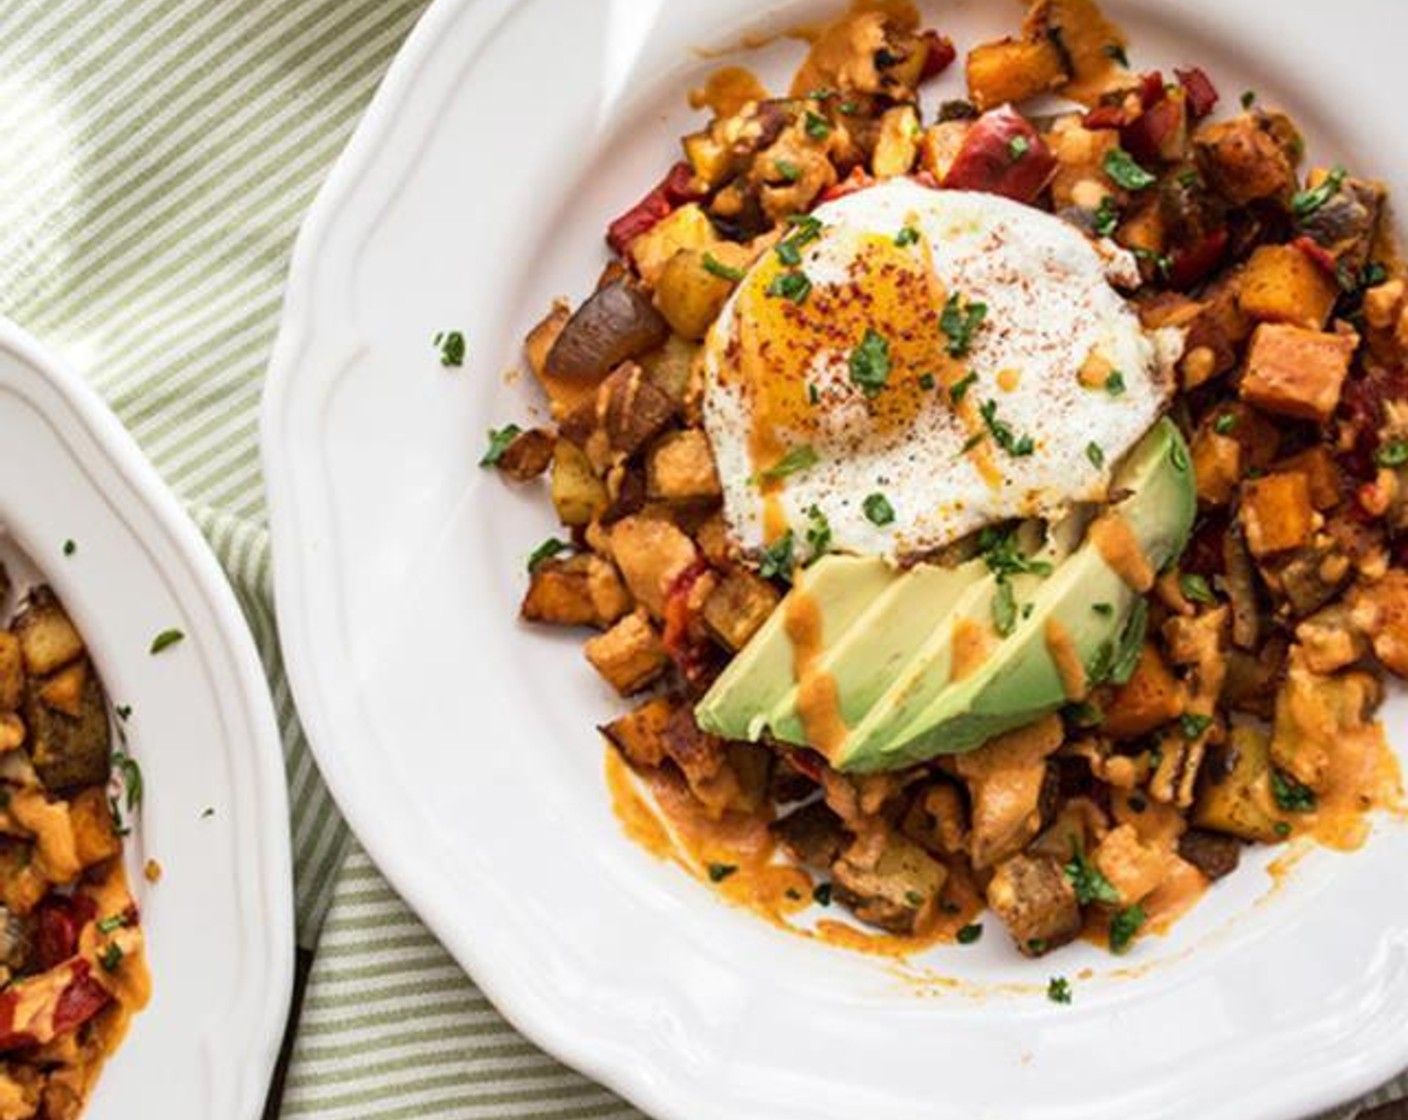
{"x":756,"y":680}
{"x":1020,"y":682}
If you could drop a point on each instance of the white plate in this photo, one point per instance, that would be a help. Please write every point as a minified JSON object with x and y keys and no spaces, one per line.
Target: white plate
{"x":460,"y":743}
{"x":219,"y":923}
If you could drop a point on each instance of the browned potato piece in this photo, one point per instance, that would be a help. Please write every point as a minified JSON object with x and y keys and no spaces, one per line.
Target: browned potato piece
{"x":680,"y":468}
{"x":640,"y":734}
{"x":1277,"y":514}
{"x":94,"y":834}
{"x":651,"y":554}
{"x":563,"y":394}
{"x":529,"y":455}
{"x":670,"y":369}
{"x":1036,"y":902}
{"x":48,"y":639}
{"x":609,"y":596}
{"x":695,"y":283}
{"x":559,"y":592}
{"x":1135,"y":869}
{"x":812,"y":835}
{"x":687,"y":227}
{"x":1322,"y":475}
{"x":899,"y":892}
{"x":712,"y":538}
{"x":937,"y":820}
{"x":22,"y":881}
{"x":64,"y":690}
{"x":616,"y":323}
{"x":1150,"y":698}
{"x":1013,"y":70}
{"x":11,"y":672}
{"x":1314,"y":716}
{"x":630,"y":655}
{"x":1237,"y":799}
{"x":738,"y":606}
{"x":66,"y":750}
{"x":1296,"y":372}
{"x":1280,"y":284}
{"x":1245,"y":159}
{"x":1381,"y":610}
{"x":578,"y":494}
{"x":897,"y":145}
{"x":940,"y":145}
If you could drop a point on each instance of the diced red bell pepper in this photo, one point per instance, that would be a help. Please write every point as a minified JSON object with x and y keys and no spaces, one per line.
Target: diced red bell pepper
{"x":1002,"y":154}
{"x":672,"y":192}
{"x":1151,"y":88}
{"x":1202,"y":94}
{"x":857,"y":180}
{"x":1318,"y":254}
{"x":939,"y":55}
{"x":1187,"y":266}
{"x":57,"y":923}
{"x":1107,"y":117}
{"x":808,"y":762}
{"x":687,"y":653}
{"x":1159,"y":134}
{"x":1150,"y":92}
{"x":53,"y":1002}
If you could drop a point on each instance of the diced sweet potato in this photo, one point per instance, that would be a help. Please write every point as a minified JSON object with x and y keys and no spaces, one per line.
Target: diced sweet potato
{"x":1217,"y":466}
{"x":651,"y":554}
{"x":738,"y":606}
{"x":1013,"y":70}
{"x":528,"y":455}
{"x":47,"y":638}
{"x":1322,"y":475}
{"x":1150,"y":698}
{"x":1245,"y":159}
{"x":559,"y":592}
{"x":812,"y":835}
{"x":899,"y":892}
{"x":1036,"y":902}
{"x":1135,"y":869}
{"x":1380,"y":610}
{"x":1280,"y":284}
{"x":94,"y":835}
{"x":1277,"y":514}
{"x":1236,"y":798}
{"x":630,"y":655}
{"x":1296,"y":372}
{"x":11,"y":672}
{"x":1314,"y":715}
{"x":640,"y":734}
{"x":1086,"y":39}
{"x":680,"y":468}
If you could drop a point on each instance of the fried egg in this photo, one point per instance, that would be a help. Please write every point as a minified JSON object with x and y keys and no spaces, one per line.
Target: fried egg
{"x":909,"y":365}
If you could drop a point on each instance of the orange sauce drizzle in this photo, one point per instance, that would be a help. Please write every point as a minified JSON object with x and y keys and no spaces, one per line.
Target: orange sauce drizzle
{"x":727,"y":90}
{"x":818,"y":698}
{"x":1119,"y":548}
{"x":971,"y":645}
{"x":1069,"y":667}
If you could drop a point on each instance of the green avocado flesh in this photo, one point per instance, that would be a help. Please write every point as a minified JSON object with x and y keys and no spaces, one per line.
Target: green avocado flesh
{"x":887,"y":638}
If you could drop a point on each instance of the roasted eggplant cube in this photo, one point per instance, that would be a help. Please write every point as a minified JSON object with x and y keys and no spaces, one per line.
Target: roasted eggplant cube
{"x":69,"y":751}
{"x":616,"y":323}
{"x":1215,"y":855}
{"x":1036,"y":902}
{"x":812,"y":835}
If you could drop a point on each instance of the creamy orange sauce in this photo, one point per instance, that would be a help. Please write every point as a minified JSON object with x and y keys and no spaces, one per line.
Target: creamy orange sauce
{"x":972,"y":643}
{"x":1069,"y":666}
{"x":1095,"y":371}
{"x":727,"y":90}
{"x":1362,"y":775}
{"x":1119,"y":548}
{"x":1008,"y":380}
{"x":818,"y":698}
{"x":842,"y":50}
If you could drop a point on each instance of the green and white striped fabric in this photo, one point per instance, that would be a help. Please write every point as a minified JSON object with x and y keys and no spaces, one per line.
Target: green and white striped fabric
{"x":156,"y":158}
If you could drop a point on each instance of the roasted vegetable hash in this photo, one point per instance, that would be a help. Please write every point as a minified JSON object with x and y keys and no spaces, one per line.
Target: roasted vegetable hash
{"x":1221,"y":694}
{"x":71,"y":947}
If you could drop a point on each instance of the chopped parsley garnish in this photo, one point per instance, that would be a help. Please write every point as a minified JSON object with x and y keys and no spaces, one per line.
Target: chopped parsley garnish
{"x":822,"y":895}
{"x":906,"y":236}
{"x":1161,"y":262}
{"x":1096,"y":454}
{"x":878,"y":510}
{"x":789,"y":171}
{"x":166,"y":639}
{"x":718,"y":872}
{"x":1017,"y":147}
{"x":960,"y":388}
{"x":1004,"y":609}
{"x":1307,"y":202}
{"x":1085,"y":714}
{"x":451,"y":345}
{"x":805,"y":229}
{"x":1192,"y":725}
{"x":1116,"y":52}
{"x":124,"y":711}
{"x":70,"y":548}
{"x":498,"y":444}
{"x":130,"y":775}
{"x":850,"y":108}
{"x":818,"y":532}
{"x":111,"y":957}
{"x":972,"y":442}
{"x":1290,"y":795}
{"x":1123,"y":927}
{"x":1225,"y":423}
{"x":870,"y":362}
{"x":546,"y":551}
{"x":716,"y":267}
{"x":960,"y":320}
{"x":1392,"y":454}
{"x":798,"y":459}
{"x":1196,"y":588}
{"x":207,"y":813}
{"x":1002,"y":432}
{"x":926,"y":381}
{"x":914,"y":898}
{"x":1036,"y":944}
{"x":1114,"y":384}
{"x":1121,"y":167}
{"x":1059,"y":990}
{"x":107,"y":925}
{"x":795,"y":286}
{"x":1126,"y":656}
{"x":970,"y":933}
{"x":813,"y":394}
{"x":1248,"y":98}
{"x":1103,"y":609}
{"x":1003,"y":554}
{"x":776,"y":562}
{"x":817,"y":126}
{"x":1088,"y":880}
{"x":1107,"y":216}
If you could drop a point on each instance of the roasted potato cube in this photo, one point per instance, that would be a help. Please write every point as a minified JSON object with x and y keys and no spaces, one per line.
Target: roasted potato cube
{"x":651,"y":554}
{"x":897,"y":145}
{"x":1296,"y":372}
{"x":12,"y":732}
{"x":578,"y":495}
{"x":63,"y":691}
{"x":899,"y":893}
{"x":1013,"y":70}
{"x":11,"y":672}
{"x":671,"y":370}
{"x":1280,"y":284}
{"x":712,"y":538}
{"x":688,"y":227}
{"x":528,"y":456}
{"x":640,"y":734}
{"x":630,"y":655}
{"x":1314,"y":716}
{"x":694,"y":284}
{"x":736,"y":608}
{"x":1277,"y":514}
{"x":1236,"y":799}
{"x":616,"y":323}
{"x":1036,"y":902}
{"x":48,"y":639}
{"x":94,"y":833}
{"x":1080,"y":178}
{"x":22,"y":881}
{"x":1322,"y":475}
{"x":1380,"y":609}
{"x":812,"y":835}
{"x":1135,"y":869}
{"x":1150,"y":698}
{"x":940,"y":145}
{"x":1246,"y":159}
{"x":69,"y":750}
{"x":559,"y":592}
{"x":680,"y":468}
{"x":609,"y":596}
{"x":1330,"y":640}
{"x":1217,"y":466}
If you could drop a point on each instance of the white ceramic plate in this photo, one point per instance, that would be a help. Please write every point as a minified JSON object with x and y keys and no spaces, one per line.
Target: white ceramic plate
{"x":219,"y":923}
{"x":460,"y":743}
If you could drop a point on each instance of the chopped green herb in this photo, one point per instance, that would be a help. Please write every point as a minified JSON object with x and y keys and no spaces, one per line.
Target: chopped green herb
{"x":718,"y":872}
{"x":1100,"y":665}
{"x":130,"y":775}
{"x":124,"y":711}
{"x":1123,"y":926}
{"x":716,"y":267}
{"x":546,"y":551}
{"x":207,"y":813}
{"x":1162,"y":262}
{"x":1191,"y":725}
{"x":1290,"y":795}
{"x":1003,"y":554}
{"x":1002,"y":432}
{"x":960,"y":320}
{"x":1116,"y":52}
{"x":914,"y":898}
{"x":166,"y":639}
{"x":970,"y":933}
{"x":907,"y":236}
{"x":1107,"y":216}
{"x":111,"y":957}
{"x":107,"y":925}
{"x":1103,"y":609}
{"x":1114,"y":384}
{"x":798,"y":459}
{"x":1225,"y":423}
{"x":1137,"y":802}
{"x":498,"y":444}
{"x":1189,"y":179}
{"x":776,"y":562}
{"x":1392,"y":454}
{"x":1059,"y":990}
{"x":822,"y":895}
{"x":960,"y":388}
{"x":1017,"y":147}
{"x":1248,"y":98}
{"x":1373,"y":275}
{"x":1004,"y":609}
{"x":805,"y":229}
{"x":818,"y":532}
{"x":817,"y":126}
{"x":795,"y":286}
{"x":789,"y":171}
{"x":878,"y":510}
{"x":972,"y":442}
{"x":1156,"y":757}
{"x":813,"y":394}
{"x":1088,"y":880}
{"x":822,"y":93}
{"x":451,"y":345}
{"x":70,"y":548}
{"x":794,"y":894}
{"x":926,"y":381}
{"x":1196,"y":588}
{"x":1126,"y":656}
{"x":1085,"y":714}
{"x":1307,"y":202}
{"x":1282,"y":829}
{"x":1036,"y":945}
{"x":1096,"y":454}
{"x":948,"y":906}
{"x":1121,"y":167}
{"x":870,"y":362}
